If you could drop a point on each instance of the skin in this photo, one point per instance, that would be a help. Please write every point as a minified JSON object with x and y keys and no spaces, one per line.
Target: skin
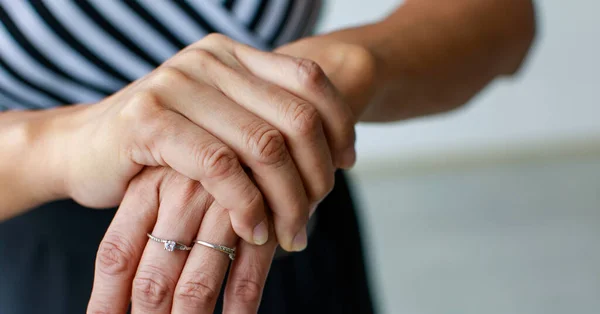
{"x":427,"y":57}
{"x":130,"y":267}
{"x":207,"y":113}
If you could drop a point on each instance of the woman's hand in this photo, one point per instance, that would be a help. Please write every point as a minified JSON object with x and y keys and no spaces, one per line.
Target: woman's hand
{"x":208,"y":112}
{"x":352,"y":68}
{"x":131,"y":267}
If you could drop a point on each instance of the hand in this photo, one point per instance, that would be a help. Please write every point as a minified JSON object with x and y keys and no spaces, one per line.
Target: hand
{"x":351,"y":68}
{"x":129,"y":266}
{"x":214,"y":107}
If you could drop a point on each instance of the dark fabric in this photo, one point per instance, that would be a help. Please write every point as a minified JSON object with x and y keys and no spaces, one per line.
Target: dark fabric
{"x":47,"y":262}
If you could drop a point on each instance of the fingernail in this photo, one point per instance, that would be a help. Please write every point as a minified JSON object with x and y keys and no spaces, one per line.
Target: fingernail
{"x":300,"y":240}
{"x":261,"y":233}
{"x":348,"y":157}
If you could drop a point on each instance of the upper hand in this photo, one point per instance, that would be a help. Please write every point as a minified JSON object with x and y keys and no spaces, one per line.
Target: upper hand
{"x":208,"y":111}
{"x":352,"y":68}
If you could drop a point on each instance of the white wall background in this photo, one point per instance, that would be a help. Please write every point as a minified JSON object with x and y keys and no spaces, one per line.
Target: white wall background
{"x":494,"y":208}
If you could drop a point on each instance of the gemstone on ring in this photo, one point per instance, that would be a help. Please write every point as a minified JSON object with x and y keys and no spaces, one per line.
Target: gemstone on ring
{"x":170,"y":245}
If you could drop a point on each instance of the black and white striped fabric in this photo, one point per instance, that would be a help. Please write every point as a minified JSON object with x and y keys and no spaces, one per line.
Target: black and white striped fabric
{"x":58,"y":52}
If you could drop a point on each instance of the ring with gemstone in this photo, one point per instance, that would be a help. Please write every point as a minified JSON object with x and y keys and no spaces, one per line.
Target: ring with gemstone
{"x":170,"y":245}
{"x":221,"y":248}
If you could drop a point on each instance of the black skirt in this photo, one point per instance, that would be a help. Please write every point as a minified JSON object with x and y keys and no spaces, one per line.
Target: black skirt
{"x":47,"y":262}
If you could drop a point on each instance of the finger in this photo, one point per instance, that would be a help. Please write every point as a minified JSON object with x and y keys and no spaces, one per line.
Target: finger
{"x":247,"y":277}
{"x":258,"y":144}
{"x":294,"y":117}
{"x":298,"y":121}
{"x":200,"y":282}
{"x":182,"y":205}
{"x":306,"y":79}
{"x":217,"y":167}
{"x":122,"y":246}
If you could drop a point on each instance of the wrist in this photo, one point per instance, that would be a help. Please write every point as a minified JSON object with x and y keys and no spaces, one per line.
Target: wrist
{"x":46,"y":136}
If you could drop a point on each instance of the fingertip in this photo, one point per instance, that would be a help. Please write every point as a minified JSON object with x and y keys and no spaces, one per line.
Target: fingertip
{"x":289,"y":239}
{"x":347,"y":158}
{"x":260,"y":234}
{"x":249,"y":231}
{"x":300,"y":240}
{"x":286,"y":241}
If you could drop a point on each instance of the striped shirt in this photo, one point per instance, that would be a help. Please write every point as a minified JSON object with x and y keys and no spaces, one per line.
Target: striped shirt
{"x":60,"y":52}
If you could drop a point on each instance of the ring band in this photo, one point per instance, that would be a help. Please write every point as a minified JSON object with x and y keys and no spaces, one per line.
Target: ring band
{"x":170,"y":245}
{"x":220,"y":248}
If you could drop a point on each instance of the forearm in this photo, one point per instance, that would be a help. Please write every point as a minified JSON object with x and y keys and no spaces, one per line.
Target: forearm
{"x":434,"y":55}
{"x":30,"y":165}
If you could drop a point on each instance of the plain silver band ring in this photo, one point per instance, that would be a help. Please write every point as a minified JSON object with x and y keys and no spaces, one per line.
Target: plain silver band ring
{"x":224,"y":249}
{"x":170,"y":245}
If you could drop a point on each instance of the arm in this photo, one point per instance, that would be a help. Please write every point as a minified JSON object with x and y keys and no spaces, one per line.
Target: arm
{"x":428,"y":56}
{"x":29,"y":165}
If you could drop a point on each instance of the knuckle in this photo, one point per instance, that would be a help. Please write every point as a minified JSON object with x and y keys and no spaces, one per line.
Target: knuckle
{"x":151,"y":289}
{"x":146,"y":120}
{"x":187,"y":191}
{"x":215,"y":38}
{"x":217,"y":160}
{"x":311,"y":75}
{"x":140,"y":107}
{"x":247,"y":290}
{"x":266,"y":144}
{"x":198,"y":290}
{"x":304,"y":118}
{"x":114,"y":257}
{"x":198,"y":56}
{"x":167,"y":76}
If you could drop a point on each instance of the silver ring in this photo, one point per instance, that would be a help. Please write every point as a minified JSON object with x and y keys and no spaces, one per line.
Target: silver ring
{"x":170,"y":245}
{"x":224,"y":249}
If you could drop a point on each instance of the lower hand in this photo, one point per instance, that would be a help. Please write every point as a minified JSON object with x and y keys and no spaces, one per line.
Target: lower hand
{"x":131,"y":267}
